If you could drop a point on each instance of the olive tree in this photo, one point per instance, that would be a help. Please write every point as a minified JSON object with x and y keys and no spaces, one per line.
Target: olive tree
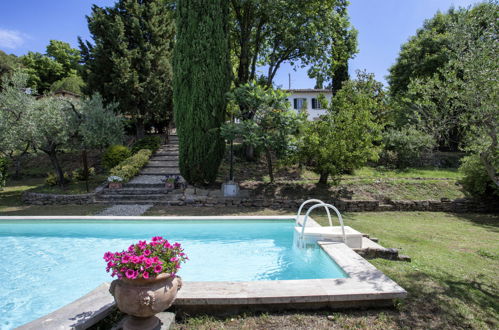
{"x":52,"y":124}
{"x":16,"y":127}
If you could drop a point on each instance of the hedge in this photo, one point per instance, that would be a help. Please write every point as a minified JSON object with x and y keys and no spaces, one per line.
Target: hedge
{"x":131,"y":166}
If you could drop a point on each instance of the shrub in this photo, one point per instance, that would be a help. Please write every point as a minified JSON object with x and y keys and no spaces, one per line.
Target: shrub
{"x":476,"y":182}
{"x":131,"y":166}
{"x":115,"y":155}
{"x":4,"y":165}
{"x":152,"y":142}
{"x":51,"y":179}
{"x":78,"y":174}
{"x":404,"y":147}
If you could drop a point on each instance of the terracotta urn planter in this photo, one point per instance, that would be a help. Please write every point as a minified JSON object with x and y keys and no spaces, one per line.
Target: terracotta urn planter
{"x":142,"y":299}
{"x":115,"y":185}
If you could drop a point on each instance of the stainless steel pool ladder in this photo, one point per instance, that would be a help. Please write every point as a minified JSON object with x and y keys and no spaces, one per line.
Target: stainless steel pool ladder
{"x":327,"y":207}
{"x":313,"y":201}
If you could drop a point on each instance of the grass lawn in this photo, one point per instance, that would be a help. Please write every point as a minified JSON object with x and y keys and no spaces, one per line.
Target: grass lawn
{"x":11,"y":204}
{"x":452,"y":280}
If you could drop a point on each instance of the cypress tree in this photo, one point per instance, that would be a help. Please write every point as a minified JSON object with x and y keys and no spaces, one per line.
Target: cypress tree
{"x":201,"y":80}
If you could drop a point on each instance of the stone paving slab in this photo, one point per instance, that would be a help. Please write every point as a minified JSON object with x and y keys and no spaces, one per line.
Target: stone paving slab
{"x":126,"y":210}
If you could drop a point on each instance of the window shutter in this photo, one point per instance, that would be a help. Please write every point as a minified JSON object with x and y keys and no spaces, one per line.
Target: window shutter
{"x":314,"y":103}
{"x":295,"y":103}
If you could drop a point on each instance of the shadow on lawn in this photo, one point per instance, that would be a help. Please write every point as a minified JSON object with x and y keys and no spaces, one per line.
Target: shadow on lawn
{"x":444,"y":301}
{"x":485,"y":220}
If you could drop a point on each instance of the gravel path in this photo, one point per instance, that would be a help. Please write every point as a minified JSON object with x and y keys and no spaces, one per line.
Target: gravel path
{"x":126,"y":210}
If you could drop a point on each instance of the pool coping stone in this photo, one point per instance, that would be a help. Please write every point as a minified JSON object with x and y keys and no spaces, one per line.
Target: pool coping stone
{"x":80,"y":314}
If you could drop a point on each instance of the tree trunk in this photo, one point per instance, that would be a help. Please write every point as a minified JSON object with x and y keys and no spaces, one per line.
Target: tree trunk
{"x":17,"y":166}
{"x":57,"y":167}
{"x":84,"y":159}
{"x":140,"y":128}
{"x":323,"y":178}
{"x":269,"y":165}
{"x":249,"y":152}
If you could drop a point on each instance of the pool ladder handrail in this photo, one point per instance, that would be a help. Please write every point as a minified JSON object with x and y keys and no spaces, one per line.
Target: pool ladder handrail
{"x":327,"y":206}
{"x":313,"y":201}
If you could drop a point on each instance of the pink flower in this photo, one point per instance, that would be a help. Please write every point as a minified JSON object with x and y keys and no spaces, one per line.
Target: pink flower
{"x":142,"y":245}
{"x":176,"y":245}
{"x":108,"y":256}
{"x":147,"y":253}
{"x":174,"y":259}
{"x":126,"y":259}
{"x":157,"y":238}
{"x":158,"y":269}
{"x":148,"y":262}
{"x":145,"y":275}
{"x":131,"y":248}
{"x":130,"y":274}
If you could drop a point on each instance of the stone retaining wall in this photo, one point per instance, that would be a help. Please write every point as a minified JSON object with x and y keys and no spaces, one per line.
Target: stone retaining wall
{"x":444,"y":205}
{"x":206,"y":198}
{"x":53,"y":199}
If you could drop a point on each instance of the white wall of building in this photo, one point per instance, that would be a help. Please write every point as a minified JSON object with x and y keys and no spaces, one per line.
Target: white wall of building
{"x":309,"y":95}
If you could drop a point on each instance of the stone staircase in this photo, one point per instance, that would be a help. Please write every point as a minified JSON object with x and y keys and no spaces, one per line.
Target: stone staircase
{"x":148,"y":187}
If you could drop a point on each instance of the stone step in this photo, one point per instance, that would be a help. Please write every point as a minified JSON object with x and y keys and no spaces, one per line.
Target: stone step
{"x":149,"y":165}
{"x":164,"y":159}
{"x":138,"y":202}
{"x":160,"y":171}
{"x":136,"y":191}
{"x":166,"y":154}
{"x":169,"y":147}
{"x":162,"y":163}
{"x":144,"y":185}
{"x":120,"y":198}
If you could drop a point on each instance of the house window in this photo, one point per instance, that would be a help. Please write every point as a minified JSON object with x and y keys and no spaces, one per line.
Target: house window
{"x":299,"y":103}
{"x":316,"y":104}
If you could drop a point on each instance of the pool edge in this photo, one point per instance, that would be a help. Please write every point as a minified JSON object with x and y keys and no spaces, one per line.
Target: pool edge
{"x":365,"y":286}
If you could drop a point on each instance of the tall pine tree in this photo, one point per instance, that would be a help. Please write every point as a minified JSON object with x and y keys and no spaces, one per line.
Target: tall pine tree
{"x":201,"y":80}
{"x":130,"y":59}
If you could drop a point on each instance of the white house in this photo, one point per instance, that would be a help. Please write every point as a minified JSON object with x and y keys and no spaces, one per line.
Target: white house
{"x":309,"y":97}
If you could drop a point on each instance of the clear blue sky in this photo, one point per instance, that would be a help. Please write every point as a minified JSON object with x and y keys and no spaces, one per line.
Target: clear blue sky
{"x":383,"y":26}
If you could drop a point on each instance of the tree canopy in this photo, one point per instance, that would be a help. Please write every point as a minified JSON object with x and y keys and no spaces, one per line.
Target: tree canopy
{"x":268,"y":33}
{"x":129,"y":61}
{"x":347,"y":137}
{"x":59,"y":61}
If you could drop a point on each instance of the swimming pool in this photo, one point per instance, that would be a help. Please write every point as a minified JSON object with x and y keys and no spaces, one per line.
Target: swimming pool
{"x":46,"y":264}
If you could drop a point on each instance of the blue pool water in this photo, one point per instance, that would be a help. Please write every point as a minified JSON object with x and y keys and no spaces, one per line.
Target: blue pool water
{"x":47,"y":264}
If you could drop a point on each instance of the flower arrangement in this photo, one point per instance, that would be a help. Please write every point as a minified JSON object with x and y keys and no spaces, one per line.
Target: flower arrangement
{"x":114,"y":178}
{"x":146,"y":260}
